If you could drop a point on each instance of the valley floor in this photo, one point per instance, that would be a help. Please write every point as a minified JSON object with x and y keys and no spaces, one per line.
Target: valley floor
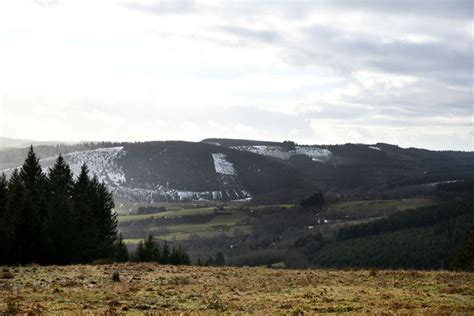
{"x":150,"y":287}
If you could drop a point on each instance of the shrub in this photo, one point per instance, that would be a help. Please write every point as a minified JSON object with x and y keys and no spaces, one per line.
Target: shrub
{"x":116,"y":277}
{"x":6,"y":274}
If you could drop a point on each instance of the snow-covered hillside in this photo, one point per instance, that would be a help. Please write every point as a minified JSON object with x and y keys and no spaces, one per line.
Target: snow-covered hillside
{"x":315,"y":153}
{"x":103,"y":163}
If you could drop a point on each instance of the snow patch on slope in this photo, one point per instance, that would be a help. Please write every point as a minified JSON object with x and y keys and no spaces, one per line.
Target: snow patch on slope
{"x":221,"y":165}
{"x":375,"y":148}
{"x":272,"y":151}
{"x":230,"y":183}
{"x":162,"y":194}
{"x":315,"y":153}
{"x":101,"y":163}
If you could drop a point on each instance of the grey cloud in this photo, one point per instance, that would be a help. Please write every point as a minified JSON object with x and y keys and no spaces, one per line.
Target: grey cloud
{"x":457,"y":9}
{"x":434,"y":59}
{"x":253,"y":34}
{"x":461,"y":9}
{"x":245,"y":9}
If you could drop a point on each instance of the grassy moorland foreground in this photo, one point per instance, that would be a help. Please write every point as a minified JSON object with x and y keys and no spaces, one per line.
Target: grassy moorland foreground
{"x":150,"y":287}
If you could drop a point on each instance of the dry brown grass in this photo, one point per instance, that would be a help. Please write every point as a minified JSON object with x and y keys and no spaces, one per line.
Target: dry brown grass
{"x":206,"y":290}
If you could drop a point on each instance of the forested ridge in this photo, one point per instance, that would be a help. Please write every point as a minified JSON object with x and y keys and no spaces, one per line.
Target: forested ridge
{"x":432,"y":237}
{"x":420,"y":217}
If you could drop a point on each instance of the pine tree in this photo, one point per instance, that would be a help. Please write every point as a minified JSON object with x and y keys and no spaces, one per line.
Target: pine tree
{"x":120,"y":251}
{"x":174,"y":256}
{"x":151,"y":250}
{"x":165,"y":253}
{"x":139,"y":254}
{"x":183,"y":256}
{"x":14,"y":200}
{"x":29,"y":234}
{"x":106,"y":219}
{"x":87,"y":244}
{"x":34,"y":181}
{"x":31,"y":221}
{"x":179,"y":256}
{"x":60,"y":216}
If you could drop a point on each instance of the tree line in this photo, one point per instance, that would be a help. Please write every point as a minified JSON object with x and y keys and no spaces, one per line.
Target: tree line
{"x":150,"y":250}
{"x":419,"y":217}
{"x":52,"y":218}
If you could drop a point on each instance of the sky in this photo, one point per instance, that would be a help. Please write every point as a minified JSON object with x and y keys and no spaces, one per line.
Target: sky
{"x":316,"y":72}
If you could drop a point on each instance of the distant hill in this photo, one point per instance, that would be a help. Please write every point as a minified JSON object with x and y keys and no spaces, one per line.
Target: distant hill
{"x":9,"y":143}
{"x":231,"y":169}
{"x":377,"y":167}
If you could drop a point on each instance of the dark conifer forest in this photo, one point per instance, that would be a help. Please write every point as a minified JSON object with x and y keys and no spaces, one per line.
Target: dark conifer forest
{"x":52,"y":218}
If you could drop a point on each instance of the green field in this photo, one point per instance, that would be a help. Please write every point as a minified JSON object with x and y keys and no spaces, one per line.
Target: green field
{"x":236,"y":218}
{"x":375,"y":208}
{"x":175,"y":213}
{"x":185,"y":233}
{"x":227,"y":221}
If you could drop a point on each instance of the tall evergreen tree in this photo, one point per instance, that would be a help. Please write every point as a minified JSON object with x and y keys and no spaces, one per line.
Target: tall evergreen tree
{"x":179,"y":256}
{"x":165,"y":253}
{"x":139,"y":254}
{"x":60,"y":216}
{"x":120,"y":250}
{"x":151,"y":249}
{"x":34,"y":181}
{"x":14,"y":203}
{"x":30,"y":238}
{"x":30,"y":234}
{"x":87,"y":244}
{"x":106,"y":219}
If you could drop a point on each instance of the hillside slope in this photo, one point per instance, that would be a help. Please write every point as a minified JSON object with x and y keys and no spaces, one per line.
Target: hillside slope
{"x":359,"y":167}
{"x":229,"y":169}
{"x":174,"y":171}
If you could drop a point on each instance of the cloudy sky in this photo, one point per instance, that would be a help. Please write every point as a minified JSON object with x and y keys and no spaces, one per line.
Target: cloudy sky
{"x":319,"y":72}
